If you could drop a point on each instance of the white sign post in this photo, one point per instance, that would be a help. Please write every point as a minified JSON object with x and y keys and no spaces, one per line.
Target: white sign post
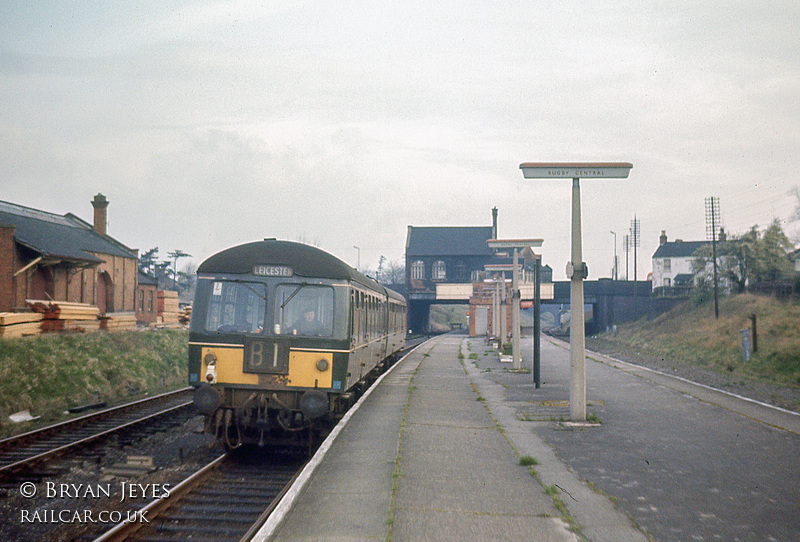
{"x":516,"y":245}
{"x":576,"y":268}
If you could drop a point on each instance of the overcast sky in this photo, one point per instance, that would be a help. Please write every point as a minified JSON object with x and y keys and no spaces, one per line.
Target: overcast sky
{"x":208,"y":124}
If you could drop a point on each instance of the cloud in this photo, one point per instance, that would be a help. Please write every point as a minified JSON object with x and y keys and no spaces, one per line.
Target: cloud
{"x":210,"y":123}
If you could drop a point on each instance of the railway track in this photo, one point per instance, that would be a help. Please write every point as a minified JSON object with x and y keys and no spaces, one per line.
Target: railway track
{"x":229,"y":499}
{"x":225,"y":501}
{"x":21,"y":454}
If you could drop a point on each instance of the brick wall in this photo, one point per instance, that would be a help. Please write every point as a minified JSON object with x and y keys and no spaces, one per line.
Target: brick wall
{"x":7,"y":264}
{"x":123,"y":273}
{"x":482,"y":296}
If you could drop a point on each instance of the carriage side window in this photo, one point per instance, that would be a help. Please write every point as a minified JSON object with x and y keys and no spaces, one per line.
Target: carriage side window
{"x":236,"y":307}
{"x":355,"y":314}
{"x":302,"y":309}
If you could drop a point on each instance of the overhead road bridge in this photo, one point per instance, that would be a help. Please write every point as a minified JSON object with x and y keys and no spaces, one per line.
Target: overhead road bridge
{"x":419,"y":303}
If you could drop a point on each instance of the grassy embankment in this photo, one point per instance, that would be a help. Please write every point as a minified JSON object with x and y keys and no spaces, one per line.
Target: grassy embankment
{"x":444,"y":317}
{"x":690,"y":334}
{"x":50,"y":373}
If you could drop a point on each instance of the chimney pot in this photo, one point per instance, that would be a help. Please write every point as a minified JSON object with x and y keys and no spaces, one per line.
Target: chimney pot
{"x":100,"y":204}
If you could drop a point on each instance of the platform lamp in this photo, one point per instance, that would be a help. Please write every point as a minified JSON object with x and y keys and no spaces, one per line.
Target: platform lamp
{"x":516,"y":245}
{"x":576,"y":268}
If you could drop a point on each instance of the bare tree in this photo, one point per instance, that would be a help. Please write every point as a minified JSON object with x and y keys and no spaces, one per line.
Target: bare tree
{"x":394,"y":272}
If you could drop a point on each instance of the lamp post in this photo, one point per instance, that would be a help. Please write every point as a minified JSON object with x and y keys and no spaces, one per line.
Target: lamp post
{"x":576,"y":268}
{"x":616,"y":274}
{"x":358,"y":261}
{"x":516,"y":245}
{"x":537,"y":316}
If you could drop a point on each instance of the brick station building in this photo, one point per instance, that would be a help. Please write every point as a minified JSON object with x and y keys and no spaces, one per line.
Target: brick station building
{"x":63,"y":258}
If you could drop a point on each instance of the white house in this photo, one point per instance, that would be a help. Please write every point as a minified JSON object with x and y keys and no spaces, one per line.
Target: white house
{"x":672,"y":262}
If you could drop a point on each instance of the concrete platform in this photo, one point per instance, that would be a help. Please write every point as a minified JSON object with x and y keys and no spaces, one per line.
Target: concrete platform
{"x":432,"y":453}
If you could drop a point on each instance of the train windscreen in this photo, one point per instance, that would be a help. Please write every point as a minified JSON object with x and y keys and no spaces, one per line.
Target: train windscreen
{"x":236,"y":307}
{"x":302,"y":309}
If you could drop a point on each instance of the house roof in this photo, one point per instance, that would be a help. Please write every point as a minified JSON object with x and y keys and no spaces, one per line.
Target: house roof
{"x":448,"y":241}
{"x":678,"y":249}
{"x":59,"y":237}
{"x":144,"y":278}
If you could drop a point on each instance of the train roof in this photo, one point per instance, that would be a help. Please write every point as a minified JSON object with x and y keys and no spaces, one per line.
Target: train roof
{"x":304,"y":261}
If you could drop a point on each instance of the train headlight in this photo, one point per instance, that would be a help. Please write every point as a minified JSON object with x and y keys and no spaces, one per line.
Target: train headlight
{"x":322,"y":365}
{"x":211,"y":367}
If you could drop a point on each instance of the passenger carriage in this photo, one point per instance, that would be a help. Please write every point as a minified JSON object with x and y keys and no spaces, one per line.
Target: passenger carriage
{"x":283,"y":339}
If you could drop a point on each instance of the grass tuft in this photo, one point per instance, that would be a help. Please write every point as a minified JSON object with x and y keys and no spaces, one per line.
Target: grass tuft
{"x":527,"y":461}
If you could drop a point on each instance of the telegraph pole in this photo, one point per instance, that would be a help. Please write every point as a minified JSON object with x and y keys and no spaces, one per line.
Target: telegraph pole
{"x":712,"y":219}
{"x":635,"y":242}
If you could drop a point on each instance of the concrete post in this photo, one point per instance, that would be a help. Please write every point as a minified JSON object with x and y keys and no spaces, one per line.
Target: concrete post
{"x":503,"y":313}
{"x":576,"y":269}
{"x":515,"y":326}
{"x":577,"y":339}
{"x":496,"y":309}
{"x":537,"y":313}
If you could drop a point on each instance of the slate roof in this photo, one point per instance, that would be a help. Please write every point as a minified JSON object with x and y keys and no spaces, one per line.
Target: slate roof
{"x":59,"y":237}
{"x":679,"y":249}
{"x":144,"y":278}
{"x":448,"y":241}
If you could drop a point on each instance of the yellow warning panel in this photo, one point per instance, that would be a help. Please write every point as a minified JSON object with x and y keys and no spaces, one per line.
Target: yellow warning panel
{"x":310,"y":369}
{"x":230,"y":361}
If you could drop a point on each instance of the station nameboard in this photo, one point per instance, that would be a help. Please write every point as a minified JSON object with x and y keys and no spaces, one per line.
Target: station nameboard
{"x":499,"y":267}
{"x":514,"y":243}
{"x":575,"y":170}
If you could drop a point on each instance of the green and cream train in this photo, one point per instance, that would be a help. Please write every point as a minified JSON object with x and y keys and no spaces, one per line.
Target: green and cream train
{"x":283,"y":339}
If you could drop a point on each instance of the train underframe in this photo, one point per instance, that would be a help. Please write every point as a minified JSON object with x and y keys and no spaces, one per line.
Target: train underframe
{"x":266,"y":419}
{"x":280,"y":418}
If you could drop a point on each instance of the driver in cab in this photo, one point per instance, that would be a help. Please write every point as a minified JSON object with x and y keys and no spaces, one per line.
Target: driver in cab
{"x":308,"y":324}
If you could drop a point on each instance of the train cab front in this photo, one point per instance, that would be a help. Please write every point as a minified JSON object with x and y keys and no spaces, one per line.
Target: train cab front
{"x":263,"y":367}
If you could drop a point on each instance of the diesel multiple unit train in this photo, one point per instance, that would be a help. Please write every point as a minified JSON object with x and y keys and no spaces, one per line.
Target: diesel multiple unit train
{"x":283,"y":339}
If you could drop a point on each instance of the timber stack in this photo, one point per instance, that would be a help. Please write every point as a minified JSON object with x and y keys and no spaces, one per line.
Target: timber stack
{"x":118,"y":321}
{"x":64,"y":316}
{"x":185,"y":315}
{"x":168,"y":308}
{"x":20,"y":324}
